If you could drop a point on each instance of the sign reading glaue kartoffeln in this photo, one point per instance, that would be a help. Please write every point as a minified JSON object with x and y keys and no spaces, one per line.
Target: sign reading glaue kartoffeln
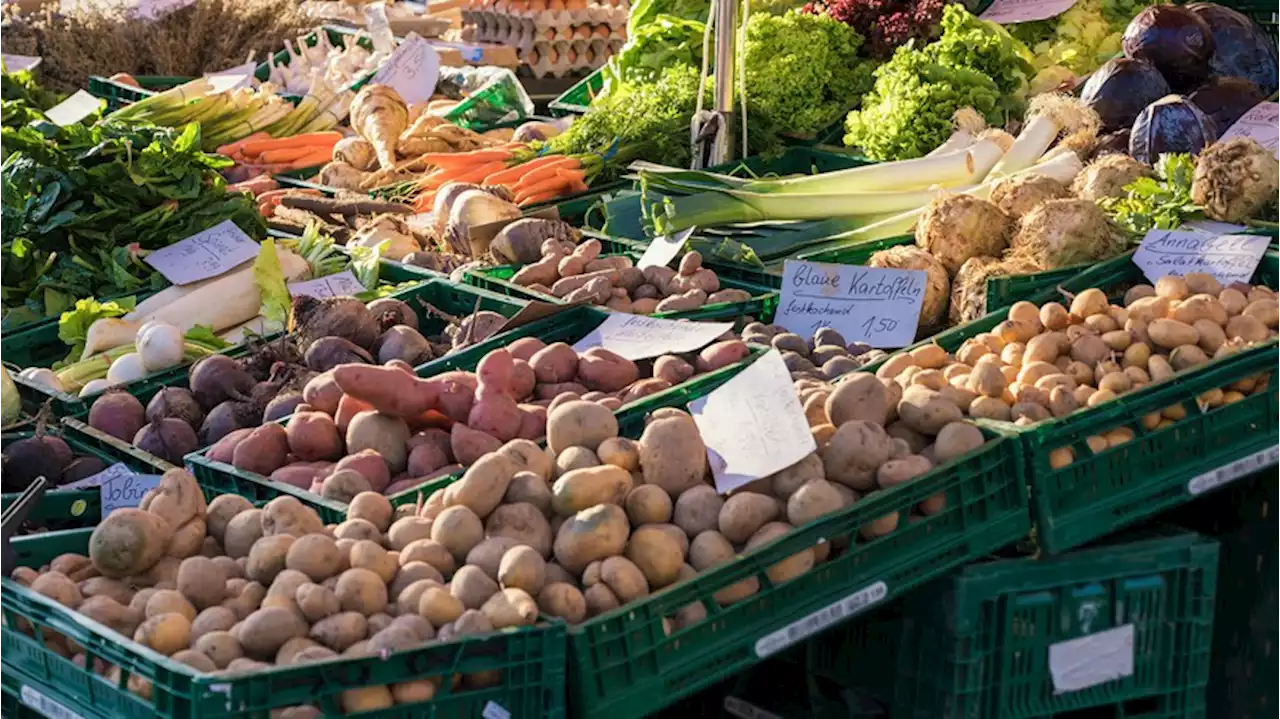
{"x":875,"y":305}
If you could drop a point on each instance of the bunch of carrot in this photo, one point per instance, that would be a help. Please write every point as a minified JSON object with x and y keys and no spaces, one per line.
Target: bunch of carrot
{"x":281,"y":154}
{"x":530,"y":182}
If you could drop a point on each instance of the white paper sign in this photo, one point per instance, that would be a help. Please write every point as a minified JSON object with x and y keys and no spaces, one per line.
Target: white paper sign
{"x":205,"y":254}
{"x":232,"y":78}
{"x":343,"y":284}
{"x":15,"y":63}
{"x":1008,"y":12}
{"x":753,"y":425}
{"x":638,"y":337}
{"x":412,"y":70}
{"x":1229,"y":258}
{"x":114,"y":472}
{"x":1260,"y":123}
{"x":1091,"y":660}
{"x":73,"y":109}
{"x":494,"y":710}
{"x":664,"y":249}
{"x":119,"y":492}
{"x":878,"y":306}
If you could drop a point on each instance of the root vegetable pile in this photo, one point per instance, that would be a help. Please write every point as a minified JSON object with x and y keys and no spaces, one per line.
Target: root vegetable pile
{"x":825,"y":356}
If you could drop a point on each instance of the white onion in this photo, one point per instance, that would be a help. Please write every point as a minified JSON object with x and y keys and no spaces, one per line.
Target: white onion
{"x":159,"y":346}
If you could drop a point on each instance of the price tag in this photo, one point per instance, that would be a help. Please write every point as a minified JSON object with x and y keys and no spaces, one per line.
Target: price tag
{"x":855,"y":603}
{"x":16,"y":63}
{"x":412,"y":70}
{"x":46,"y":706}
{"x":1091,"y":660}
{"x":1260,"y":123}
{"x":342,"y":284}
{"x":73,"y":109}
{"x":120,"y":492}
{"x":232,"y":78}
{"x":494,"y":710}
{"x":1229,"y":258}
{"x":114,"y":472}
{"x":753,"y":425}
{"x":1008,"y":12}
{"x":637,"y":337}
{"x":1232,"y":471}
{"x":664,"y":249}
{"x":205,"y":254}
{"x":878,"y":306}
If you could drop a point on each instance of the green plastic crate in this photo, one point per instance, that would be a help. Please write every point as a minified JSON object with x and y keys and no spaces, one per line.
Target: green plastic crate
{"x":860,"y":655}
{"x":74,"y":508}
{"x":44,"y":348}
{"x":118,"y":94}
{"x":1098,"y":494}
{"x":37,"y":345}
{"x":531,"y":660}
{"x":625,"y":663}
{"x":764,"y":300}
{"x":1243,"y":520}
{"x":977,"y":645}
{"x":577,"y":99}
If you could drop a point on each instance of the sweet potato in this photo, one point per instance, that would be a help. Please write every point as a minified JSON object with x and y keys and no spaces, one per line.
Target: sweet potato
{"x":721,"y":354}
{"x":455,"y":399}
{"x":313,"y":436}
{"x":469,"y":445}
{"x":389,"y":390}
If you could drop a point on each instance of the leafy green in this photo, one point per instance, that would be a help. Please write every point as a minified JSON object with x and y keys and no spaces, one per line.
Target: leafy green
{"x":205,"y":337}
{"x":644,"y":12}
{"x":73,"y":325}
{"x":22,"y":101}
{"x":666,"y":41}
{"x":1162,"y":202}
{"x":271,"y":284}
{"x":803,"y":71}
{"x":985,"y":47}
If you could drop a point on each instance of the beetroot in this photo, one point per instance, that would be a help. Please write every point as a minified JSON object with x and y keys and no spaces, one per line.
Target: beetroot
{"x":117,"y":413}
{"x":82,"y":468}
{"x":222,"y":420}
{"x":40,"y":456}
{"x":284,"y":404}
{"x":218,"y":378}
{"x":176,"y":402}
{"x":402,"y":342}
{"x":169,"y":439}
{"x":344,"y":317}
{"x":329,"y":352}
{"x":390,"y":311}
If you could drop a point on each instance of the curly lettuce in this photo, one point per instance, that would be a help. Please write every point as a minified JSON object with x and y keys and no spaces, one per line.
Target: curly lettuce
{"x":663,"y":43}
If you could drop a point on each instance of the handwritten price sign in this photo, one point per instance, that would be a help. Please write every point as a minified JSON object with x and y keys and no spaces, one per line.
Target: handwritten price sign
{"x":1262,"y":123}
{"x":1229,"y":258}
{"x":412,"y":70}
{"x":637,"y":337}
{"x":1007,"y":12}
{"x":878,"y":306}
{"x":205,"y":254}
{"x":342,"y":284}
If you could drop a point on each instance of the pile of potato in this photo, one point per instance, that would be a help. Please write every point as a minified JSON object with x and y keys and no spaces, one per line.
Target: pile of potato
{"x":375,"y":428}
{"x":577,"y":272}
{"x":1051,"y":360}
{"x":824,"y":356}
{"x":232,"y":589}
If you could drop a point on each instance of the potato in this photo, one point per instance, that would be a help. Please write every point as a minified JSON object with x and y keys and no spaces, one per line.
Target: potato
{"x":372,"y":507}
{"x":560,"y":599}
{"x":202,"y":581}
{"x":624,"y":579}
{"x":128,"y":542}
{"x":382,"y":433}
{"x":368,"y":555}
{"x":657,"y":554}
{"x":523,"y":523}
{"x":221,"y":647}
{"x":672,"y":454}
{"x":220,"y":513}
{"x":1169,"y":333}
{"x":341,"y":631}
{"x":816,"y":498}
{"x":594,"y":533}
{"x":361,"y":590}
{"x":579,"y":489}
{"x":606,"y":371}
{"x":554,"y":363}
{"x":524,"y":568}
{"x":482,"y":486}
{"x":1266,"y":310}
{"x":744,"y":513}
{"x":600,"y":599}
{"x":317,"y":602}
{"x":287,"y":515}
{"x":242,"y":531}
{"x":859,"y":396}
{"x":315,"y":555}
{"x":439,"y":606}
{"x":1246,"y":327}
{"x":789,"y":568}
{"x":267,"y":557}
{"x":472,"y":587}
{"x":458,"y":529}
{"x":163,"y":601}
{"x":1184,"y":357}
{"x":165,"y":633}
{"x":783,"y":482}
{"x":113,"y":614}
{"x":579,"y":424}
{"x":855,"y":450}
{"x":697,"y":509}
{"x":648,"y":504}
{"x":531,"y":488}
{"x":408,"y":529}
{"x":710,"y":549}
{"x":925,"y":411}
{"x":989,"y":408}
{"x":487,"y":555}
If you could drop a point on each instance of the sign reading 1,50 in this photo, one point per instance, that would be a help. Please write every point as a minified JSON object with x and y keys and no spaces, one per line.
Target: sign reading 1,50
{"x":877,"y":325}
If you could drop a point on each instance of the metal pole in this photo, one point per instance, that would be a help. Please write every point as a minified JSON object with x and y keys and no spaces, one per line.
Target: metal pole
{"x":726,"y":30}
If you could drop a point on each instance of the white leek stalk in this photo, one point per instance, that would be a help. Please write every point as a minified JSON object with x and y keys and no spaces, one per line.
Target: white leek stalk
{"x":968,"y":123}
{"x":1048,"y":117}
{"x":966,"y":166}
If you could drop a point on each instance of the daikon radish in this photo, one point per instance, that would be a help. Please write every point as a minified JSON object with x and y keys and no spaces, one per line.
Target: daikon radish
{"x":219,"y":302}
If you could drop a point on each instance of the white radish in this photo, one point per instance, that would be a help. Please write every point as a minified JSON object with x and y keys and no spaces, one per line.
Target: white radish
{"x":126,"y":368}
{"x":43,"y":377}
{"x":160,"y":345}
{"x":94,"y":386}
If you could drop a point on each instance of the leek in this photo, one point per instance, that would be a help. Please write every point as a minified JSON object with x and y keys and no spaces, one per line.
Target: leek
{"x":1049,"y":117}
{"x":967,"y":166}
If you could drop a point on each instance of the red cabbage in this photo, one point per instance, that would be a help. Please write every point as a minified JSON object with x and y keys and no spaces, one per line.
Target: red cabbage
{"x":1226,"y":99}
{"x":1120,"y":89}
{"x":1175,"y":40}
{"x":1241,"y":48}
{"x":1170,"y":124}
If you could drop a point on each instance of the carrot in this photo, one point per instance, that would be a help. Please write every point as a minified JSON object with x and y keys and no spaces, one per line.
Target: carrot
{"x":425,"y":202}
{"x":307,"y":139}
{"x":572,"y":175}
{"x":548,"y":170}
{"x":556,"y":184}
{"x":511,"y":174}
{"x":441,"y":176}
{"x":317,"y":156}
{"x":475,"y":157}
{"x":539,"y":197}
{"x":476,"y":174}
{"x":285,"y":154}
{"x":231,"y":147}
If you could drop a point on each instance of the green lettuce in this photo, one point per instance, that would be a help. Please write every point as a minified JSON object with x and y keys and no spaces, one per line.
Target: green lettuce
{"x":73,"y":325}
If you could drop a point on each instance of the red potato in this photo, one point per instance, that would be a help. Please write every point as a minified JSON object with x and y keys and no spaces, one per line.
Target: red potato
{"x":672,"y":369}
{"x":389,"y":390}
{"x":323,"y":393}
{"x":534,"y":423}
{"x":495,"y":371}
{"x":496,"y":414}
{"x":223,"y":449}
{"x":302,"y":474}
{"x":721,"y":354}
{"x":438,"y":437}
{"x":523,"y":380}
{"x":551,"y":391}
{"x":469,"y":445}
{"x":606,"y":371}
{"x":455,"y":399}
{"x":426,"y":458}
{"x":402,"y":484}
{"x":525,"y":348}
{"x":265,"y":450}
{"x":555,"y":364}
{"x":313,"y":436}
{"x":369,"y":464}
{"x":643,"y":388}
{"x":348,"y":408}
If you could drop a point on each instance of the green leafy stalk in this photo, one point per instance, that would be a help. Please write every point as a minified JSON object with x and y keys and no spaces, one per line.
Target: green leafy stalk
{"x":1162,"y":202}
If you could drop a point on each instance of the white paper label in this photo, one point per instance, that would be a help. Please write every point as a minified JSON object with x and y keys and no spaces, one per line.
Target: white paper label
{"x":1008,"y":12}
{"x":46,"y":706}
{"x":205,"y":254}
{"x":1260,"y":123}
{"x":412,"y":70}
{"x":493,"y":710}
{"x":122,"y":492}
{"x":15,"y":63}
{"x":232,"y":78}
{"x":1232,"y":471}
{"x":111,"y":473}
{"x":638,"y":337}
{"x":1229,"y":258}
{"x":753,"y":425}
{"x":664,"y":249}
{"x":839,"y":611}
{"x":746,"y":710}
{"x":342,"y":284}
{"x":1212,"y":228}
{"x":73,"y":109}
{"x":1091,"y":660}
{"x":878,"y":306}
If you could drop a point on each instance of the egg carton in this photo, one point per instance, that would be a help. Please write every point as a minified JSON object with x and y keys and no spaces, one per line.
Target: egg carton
{"x":561,"y":57}
{"x":483,"y":18}
{"x":507,"y":31}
